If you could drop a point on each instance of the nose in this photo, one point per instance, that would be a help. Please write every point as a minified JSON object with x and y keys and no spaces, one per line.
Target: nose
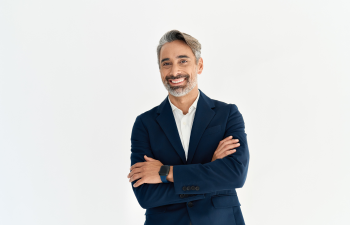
{"x":175,"y":70}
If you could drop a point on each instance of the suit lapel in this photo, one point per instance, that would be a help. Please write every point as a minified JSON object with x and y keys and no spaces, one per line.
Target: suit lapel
{"x":167,"y":122}
{"x":203,"y":116}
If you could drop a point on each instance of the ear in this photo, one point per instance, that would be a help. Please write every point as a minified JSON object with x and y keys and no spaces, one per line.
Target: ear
{"x":200,"y":65}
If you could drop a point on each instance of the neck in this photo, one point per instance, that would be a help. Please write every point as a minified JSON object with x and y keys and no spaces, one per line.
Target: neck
{"x":184,"y":102}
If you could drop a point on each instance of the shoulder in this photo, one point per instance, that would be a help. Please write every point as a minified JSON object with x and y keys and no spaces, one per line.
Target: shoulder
{"x":229,"y":107}
{"x":149,"y":114}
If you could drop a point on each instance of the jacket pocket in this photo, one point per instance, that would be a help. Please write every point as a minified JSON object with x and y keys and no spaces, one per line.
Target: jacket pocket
{"x":224,"y":201}
{"x":212,"y":130}
{"x":159,"y":209}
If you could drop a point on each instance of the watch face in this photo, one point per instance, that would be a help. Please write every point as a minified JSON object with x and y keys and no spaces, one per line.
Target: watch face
{"x":164,"y":170}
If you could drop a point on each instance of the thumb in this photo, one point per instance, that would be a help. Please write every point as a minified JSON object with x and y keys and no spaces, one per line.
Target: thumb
{"x":149,"y":158}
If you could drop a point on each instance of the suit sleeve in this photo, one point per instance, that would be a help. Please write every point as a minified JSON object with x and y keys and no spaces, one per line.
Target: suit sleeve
{"x":151,"y":195}
{"x":227,"y":173}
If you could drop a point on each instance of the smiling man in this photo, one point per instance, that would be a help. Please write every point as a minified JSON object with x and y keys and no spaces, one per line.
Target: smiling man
{"x":190,"y":153}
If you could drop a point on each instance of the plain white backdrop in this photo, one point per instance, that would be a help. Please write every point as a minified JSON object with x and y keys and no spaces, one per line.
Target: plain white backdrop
{"x":75,"y":74}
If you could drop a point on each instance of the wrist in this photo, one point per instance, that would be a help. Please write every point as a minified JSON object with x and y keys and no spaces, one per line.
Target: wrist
{"x":170,"y":175}
{"x":164,"y":172}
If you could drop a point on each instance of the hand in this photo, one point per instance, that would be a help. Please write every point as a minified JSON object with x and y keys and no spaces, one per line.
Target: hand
{"x":146,"y":172}
{"x":225,"y":148}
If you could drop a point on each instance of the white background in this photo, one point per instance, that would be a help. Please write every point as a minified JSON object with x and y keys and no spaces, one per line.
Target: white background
{"x":75,"y":74}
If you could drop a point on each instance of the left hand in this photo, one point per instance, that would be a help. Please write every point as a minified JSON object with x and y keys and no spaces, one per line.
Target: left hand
{"x":146,"y":172}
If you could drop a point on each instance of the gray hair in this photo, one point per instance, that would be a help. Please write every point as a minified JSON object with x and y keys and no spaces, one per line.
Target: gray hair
{"x":177,"y":35}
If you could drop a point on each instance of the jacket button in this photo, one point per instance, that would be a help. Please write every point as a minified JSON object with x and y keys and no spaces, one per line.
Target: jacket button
{"x":190,"y":204}
{"x":188,"y":188}
{"x":182,"y":195}
{"x":193,"y":188}
{"x":197,"y":188}
{"x":184,"y":188}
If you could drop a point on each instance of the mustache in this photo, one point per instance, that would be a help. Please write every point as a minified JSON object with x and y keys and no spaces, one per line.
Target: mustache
{"x":177,"y":77}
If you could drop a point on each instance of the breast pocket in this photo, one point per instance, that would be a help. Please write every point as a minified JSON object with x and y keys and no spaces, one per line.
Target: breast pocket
{"x":212,"y":130}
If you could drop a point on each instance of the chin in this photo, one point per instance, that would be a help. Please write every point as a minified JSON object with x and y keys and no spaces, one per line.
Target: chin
{"x":181,"y":91}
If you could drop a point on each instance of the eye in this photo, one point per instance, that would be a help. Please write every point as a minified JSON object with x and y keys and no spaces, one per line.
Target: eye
{"x":164,"y":64}
{"x":183,"y":60}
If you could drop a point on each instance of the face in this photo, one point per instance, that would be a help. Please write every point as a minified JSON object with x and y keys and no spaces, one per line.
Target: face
{"x":178,"y":68}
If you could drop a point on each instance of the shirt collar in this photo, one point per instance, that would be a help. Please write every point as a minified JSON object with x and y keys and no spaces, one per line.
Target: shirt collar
{"x":192,"y":107}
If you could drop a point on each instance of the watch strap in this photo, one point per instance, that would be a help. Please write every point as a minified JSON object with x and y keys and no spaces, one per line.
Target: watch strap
{"x":164,"y":180}
{"x":163,"y":173}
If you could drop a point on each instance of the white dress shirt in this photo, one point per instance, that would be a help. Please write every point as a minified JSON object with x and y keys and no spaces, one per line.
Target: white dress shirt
{"x":184,"y":122}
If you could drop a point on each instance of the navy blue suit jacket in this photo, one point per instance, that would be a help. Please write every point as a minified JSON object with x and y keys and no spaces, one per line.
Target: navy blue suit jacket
{"x":203,"y":192}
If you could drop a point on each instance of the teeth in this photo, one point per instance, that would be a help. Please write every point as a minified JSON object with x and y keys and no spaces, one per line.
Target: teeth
{"x":178,"y":80}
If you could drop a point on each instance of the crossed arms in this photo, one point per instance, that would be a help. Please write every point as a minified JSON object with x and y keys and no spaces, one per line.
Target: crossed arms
{"x":225,"y":173}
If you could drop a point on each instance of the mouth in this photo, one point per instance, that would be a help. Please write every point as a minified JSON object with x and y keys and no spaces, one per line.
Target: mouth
{"x":176,"y":82}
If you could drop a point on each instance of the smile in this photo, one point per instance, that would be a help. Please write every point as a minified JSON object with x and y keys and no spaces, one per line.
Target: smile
{"x":177,"y":81}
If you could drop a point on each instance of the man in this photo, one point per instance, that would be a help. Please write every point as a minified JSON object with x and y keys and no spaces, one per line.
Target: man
{"x":190,"y":153}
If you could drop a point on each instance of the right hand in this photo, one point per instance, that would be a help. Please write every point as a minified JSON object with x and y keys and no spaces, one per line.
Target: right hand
{"x":226,"y":147}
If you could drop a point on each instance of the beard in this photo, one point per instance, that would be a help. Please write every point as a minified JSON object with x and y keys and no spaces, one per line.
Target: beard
{"x":182,"y":90}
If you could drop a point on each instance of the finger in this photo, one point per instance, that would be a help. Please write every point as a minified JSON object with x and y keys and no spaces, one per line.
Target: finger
{"x":136,"y":165}
{"x":138,"y":183}
{"x":228,"y":138}
{"x":235,"y":140}
{"x":236,"y":145}
{"x":222,"y":146}
{"x":229,"y":152}
{"x":227,"y":147}
{"x":230,"y":141}
{"x":231,"y":146}
{"x":135,"y":177}
{"x":224,"y":140}
{"x":226,"y":153}
{"x":136,"y":170}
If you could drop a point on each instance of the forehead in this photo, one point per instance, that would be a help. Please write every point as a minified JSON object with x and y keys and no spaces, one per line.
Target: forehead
{"x":175,"y":48}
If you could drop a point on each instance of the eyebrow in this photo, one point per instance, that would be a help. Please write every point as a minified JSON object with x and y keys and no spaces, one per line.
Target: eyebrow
{"x":179,"y":57}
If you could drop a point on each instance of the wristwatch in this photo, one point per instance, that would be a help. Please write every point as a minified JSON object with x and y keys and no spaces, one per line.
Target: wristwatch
{"x":163,"y":173}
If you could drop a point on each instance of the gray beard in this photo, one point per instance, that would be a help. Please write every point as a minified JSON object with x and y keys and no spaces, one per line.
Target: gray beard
{"x":181,"y":91}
